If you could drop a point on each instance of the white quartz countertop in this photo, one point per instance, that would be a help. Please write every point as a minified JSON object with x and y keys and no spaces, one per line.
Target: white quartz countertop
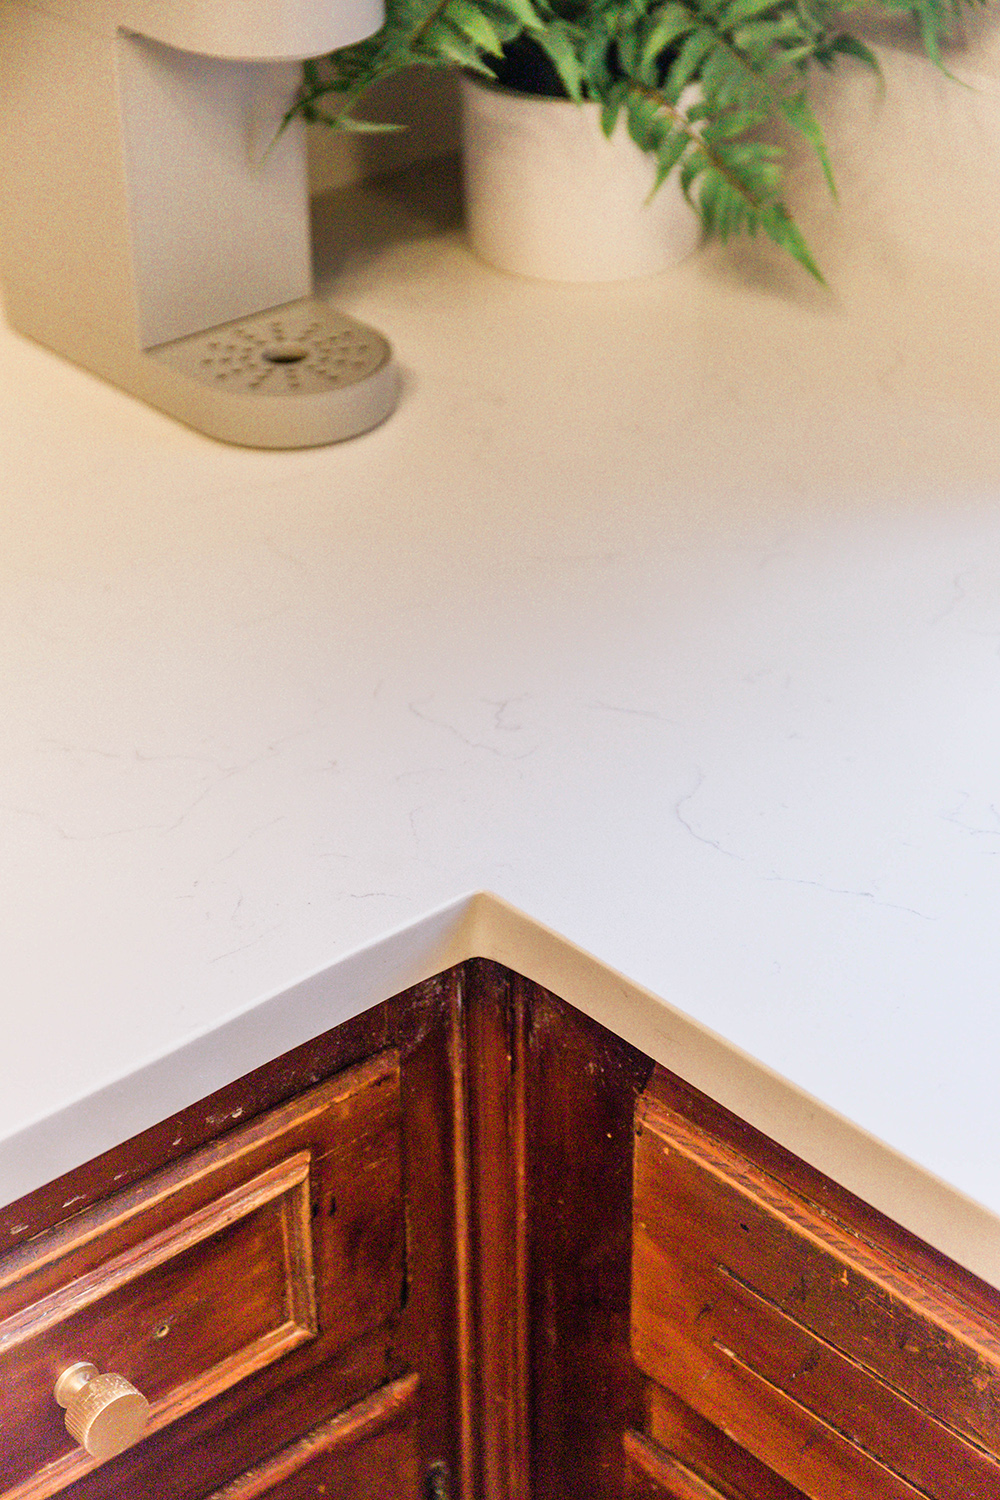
{"x":668,"y":612}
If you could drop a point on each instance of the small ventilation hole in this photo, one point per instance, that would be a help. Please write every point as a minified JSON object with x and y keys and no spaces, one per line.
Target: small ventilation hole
{"x":285,"y":354}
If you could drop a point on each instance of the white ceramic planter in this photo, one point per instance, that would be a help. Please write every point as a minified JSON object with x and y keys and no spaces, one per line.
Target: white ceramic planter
{"x":547,"y":194}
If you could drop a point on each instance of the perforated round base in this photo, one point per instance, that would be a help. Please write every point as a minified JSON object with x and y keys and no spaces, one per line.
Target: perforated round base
{"x":292,"y":351}
{"x":292,"y":376}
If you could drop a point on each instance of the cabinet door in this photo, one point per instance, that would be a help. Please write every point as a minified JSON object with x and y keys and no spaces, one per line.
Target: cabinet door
{"x":287,"y":1236}
{"x":369,"y":1452}
{"x":845,"y":1370}
{"x":274,"y":1254}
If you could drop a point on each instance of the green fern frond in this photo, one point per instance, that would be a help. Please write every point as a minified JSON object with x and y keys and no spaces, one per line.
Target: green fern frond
{"x":558,"y":43}
{"x":750,"y":60}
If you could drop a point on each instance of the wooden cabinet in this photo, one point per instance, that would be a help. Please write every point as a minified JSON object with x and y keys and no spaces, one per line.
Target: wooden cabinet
{"x":275,"y":1273}
{"x":369,"y":1452}
{"x":286,"y":1235}
{"x":840,"y":1359}
{"x":471,"y":1246}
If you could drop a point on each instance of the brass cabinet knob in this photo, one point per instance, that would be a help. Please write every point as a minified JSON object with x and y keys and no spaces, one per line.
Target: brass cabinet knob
{"x":104,"y":1413}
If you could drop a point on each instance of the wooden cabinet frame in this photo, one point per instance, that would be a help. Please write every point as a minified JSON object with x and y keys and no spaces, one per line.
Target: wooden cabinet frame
{"x":520,"y":1119}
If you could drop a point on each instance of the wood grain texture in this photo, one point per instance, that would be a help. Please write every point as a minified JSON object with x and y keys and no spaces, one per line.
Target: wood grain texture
{"x":857,"y":1219}
{"x":469,"y":1207}
{"x":804,"y":1450}
{"x":362,"y":1102}
{"x":653,"y":1474}
{"x":581,"y":1088}
{"x":729,"y":1322}
{"x":207,"y":1273}
{"x":279,"y":1405}
{"x":368,"y":1452}
{"x":676,"y":1428}
{"x":845,"y":1371}
{"x":468,"y":1445}
{"x":495,"y":1041}
{"x":224,"y":1292}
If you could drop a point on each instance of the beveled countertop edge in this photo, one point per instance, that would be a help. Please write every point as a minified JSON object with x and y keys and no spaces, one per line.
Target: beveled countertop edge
{"x":482,"y":925}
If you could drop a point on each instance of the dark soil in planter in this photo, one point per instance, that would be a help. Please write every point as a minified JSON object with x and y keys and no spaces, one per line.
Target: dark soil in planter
{"x":525,"y":67}
{"x":529,"y":70}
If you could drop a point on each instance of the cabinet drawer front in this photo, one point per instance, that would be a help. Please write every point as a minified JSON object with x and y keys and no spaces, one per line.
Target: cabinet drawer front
{"x":283,"y":1235}
{"x":820,"y":1354}
{"x":368,"y":1452}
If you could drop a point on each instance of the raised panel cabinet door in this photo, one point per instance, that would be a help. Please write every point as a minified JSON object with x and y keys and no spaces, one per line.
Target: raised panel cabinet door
{"x":286,"y":1236}
{"x":845,"y":1370}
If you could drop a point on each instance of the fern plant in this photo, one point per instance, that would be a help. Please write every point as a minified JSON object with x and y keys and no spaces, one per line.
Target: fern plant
{"x":750,"y":60}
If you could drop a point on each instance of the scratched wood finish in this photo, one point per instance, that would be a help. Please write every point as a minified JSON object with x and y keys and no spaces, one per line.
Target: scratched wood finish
{"x":494,"y":1024}
{"x":188,"y":1313}
{"x":712,"y":1323}
{"x":582,"y":1083}
{"x":358,"y":1249}
{"x":510,"y":1189}
{"x":847,"y":1372}
{"x":277,"y":1407}
{"x":350,"y":1126}
{"x":806,"y":1451}
{"x":210,"y":1271}
{"x":369,"y":1452}
{"x":675,"y":1428}
{"x":653,"y":1474}
{"x":857,"y":1219}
